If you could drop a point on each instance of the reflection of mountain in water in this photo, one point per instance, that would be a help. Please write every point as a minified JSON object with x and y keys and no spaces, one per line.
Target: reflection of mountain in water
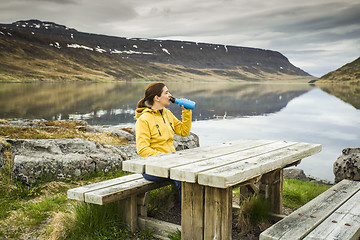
{"x":114,"y":103}
{"x":237,"y":100}
{"x":349,"y":93}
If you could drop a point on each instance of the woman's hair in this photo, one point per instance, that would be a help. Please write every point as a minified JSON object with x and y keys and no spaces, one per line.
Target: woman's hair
{"x":152,"y":90}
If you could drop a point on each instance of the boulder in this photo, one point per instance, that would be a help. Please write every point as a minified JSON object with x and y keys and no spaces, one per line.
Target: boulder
{"x":59,"y":159}
{"x":347,"y":166}
{"x":182,"y":143}
{"x":294,"y":173}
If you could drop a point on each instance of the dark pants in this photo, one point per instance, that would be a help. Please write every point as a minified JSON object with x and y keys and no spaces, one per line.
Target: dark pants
{"x":160,"y":179}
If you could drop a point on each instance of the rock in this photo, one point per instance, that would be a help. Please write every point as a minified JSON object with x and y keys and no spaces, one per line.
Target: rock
{"x":182,"y":143}
{"x":294,"y":173}
{"x":4,"y":147}
{"x":127,"y":133}
{"x":347,"y":166}
{"x":2,"y":161}
{"x":59,"y":159}
{"x":124,"y":133}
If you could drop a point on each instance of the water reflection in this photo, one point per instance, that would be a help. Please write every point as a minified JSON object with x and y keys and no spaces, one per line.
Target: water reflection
{"x":349,"y":93}
{"x":63,"y":100}
{"x":114,"y":103}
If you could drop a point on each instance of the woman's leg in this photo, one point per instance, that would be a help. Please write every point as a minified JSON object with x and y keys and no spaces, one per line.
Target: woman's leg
{"x":154,"y":178}
{"x":178,"y":186}
{"x":160,"y":179}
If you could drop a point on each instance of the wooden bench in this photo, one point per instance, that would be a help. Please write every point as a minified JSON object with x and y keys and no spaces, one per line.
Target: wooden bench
{"x":133,"y":190}
{"x":334,"y":214}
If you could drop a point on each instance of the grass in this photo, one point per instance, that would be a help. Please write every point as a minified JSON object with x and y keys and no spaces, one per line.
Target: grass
{"x":297,"y":193}
{"x":42,"y":210}
{"x":98,"y":222}
{"x":22,"y":210}
{"x":45,"y":206}
{"x":60,"y":130}
{"x":162,"y":199}
{"x":175,"y":236}
{"x":254,"y":213}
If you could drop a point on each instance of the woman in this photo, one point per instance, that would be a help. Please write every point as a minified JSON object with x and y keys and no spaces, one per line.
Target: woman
{"x":156,"y":125}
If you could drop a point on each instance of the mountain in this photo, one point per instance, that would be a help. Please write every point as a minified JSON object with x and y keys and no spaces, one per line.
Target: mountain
{"x":347,"y":73}
{"x":34,"y":50}
{"x":349,"y":77}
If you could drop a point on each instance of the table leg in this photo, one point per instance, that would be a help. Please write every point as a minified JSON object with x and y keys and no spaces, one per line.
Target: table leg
{"x":271,"y":188}
{"x":192,"y":211}
{"x":218,"y":213}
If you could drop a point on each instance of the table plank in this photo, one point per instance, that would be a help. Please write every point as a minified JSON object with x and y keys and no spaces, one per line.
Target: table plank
{"x":302,"y":221}
{"x":344,"y":223}
{"x":189,"y":172}
{"x":162,"y":163}
{"x":238,"y":172}
{"x":138,"y":165}
{"x":162,"y":168}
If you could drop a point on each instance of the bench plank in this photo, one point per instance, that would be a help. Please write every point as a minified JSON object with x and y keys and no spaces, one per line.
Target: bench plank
{"x":79,"y":192}
{"x":302,"y":221}
{"x":344,"y":223}
{"x":232,"y":174}
{"x":113,"y":189}
{"x":189,"y":172}
{"x":121,"y":191}
{"x":171,"y":159}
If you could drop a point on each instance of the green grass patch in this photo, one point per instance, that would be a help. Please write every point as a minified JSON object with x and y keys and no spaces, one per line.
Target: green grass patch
{"x":175,"y":236}
{"x":93,"y":222}
{"x":37,"y":212}
{"x":26,"y":208}
{"x":296,"y":193}
{"x":162,"y":199}
{"x":60,"y":130}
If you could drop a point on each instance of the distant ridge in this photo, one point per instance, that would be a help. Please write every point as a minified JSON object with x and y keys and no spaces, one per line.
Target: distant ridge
{"x":36,"y":50}
{"x":348,"y":73}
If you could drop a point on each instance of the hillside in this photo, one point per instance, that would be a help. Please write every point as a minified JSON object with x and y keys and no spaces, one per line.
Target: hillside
{"x":349,"y":77}
{"x":347,"y":73}
{"x":44,"y":51}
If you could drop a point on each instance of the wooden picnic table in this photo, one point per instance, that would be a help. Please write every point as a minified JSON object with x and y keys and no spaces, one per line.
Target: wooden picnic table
{"x":208,"y":175}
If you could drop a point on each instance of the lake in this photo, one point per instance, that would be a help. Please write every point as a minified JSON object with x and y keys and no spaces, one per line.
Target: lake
{"x":327,"y":114}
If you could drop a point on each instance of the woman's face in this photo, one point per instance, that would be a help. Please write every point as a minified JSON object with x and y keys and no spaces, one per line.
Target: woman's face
{"x":164,"y":98}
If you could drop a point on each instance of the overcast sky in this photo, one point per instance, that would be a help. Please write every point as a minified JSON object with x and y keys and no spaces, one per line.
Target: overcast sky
{"x":318,"y":36}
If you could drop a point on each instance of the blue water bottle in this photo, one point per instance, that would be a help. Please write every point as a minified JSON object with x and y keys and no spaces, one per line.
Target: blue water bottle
{"x":183,"y":102}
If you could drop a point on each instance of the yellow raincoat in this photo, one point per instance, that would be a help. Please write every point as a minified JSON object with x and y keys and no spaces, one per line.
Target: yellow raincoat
{"x":155,"y":130}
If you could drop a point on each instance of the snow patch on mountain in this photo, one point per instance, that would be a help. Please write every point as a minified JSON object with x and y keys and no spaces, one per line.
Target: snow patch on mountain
{"x":166,"y":51}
